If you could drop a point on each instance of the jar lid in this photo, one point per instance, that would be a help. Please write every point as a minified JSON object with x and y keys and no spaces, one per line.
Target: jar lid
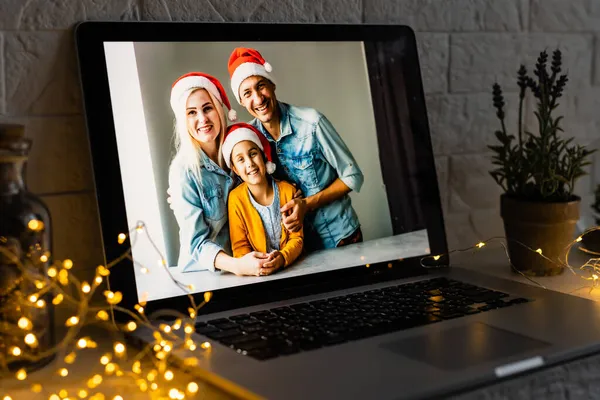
{"x":13,"y":140}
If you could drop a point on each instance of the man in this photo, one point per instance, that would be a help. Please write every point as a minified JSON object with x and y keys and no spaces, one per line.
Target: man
{"x":310,"y":154}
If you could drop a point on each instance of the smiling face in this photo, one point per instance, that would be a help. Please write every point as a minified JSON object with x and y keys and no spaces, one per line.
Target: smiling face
{"x":257,"y":95}
{"x":202,"y":119}
{"x":248,"y":162}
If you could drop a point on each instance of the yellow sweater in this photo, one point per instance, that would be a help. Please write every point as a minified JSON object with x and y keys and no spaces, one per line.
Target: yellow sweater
{"x":246,"y":229}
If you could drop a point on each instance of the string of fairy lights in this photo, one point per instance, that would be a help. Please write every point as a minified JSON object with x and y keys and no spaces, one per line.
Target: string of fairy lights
{"x":156,"y":377}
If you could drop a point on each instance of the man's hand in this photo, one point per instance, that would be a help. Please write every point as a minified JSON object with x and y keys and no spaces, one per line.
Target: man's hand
{"x":274,"y":261}
{"x":292,"y":214}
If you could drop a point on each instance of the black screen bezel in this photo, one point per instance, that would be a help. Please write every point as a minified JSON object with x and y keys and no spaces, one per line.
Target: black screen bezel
{"x":91,"y":35}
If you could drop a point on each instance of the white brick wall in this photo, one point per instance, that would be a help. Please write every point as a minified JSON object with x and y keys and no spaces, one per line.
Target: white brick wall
{"x":465,"y":46}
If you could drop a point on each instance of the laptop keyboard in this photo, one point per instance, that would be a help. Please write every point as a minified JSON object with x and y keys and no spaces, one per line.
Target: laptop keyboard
{"x":307,"y":326}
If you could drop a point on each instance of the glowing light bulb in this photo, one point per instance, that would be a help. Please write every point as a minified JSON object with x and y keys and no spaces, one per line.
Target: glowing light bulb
{"x":119,"y":348}
{"x":33,"y":298}
{"x":70,"y":358}
{"x":15,"y":351}
{"x":67,"y":264}
{"x":436,"y":258}
{"x":40,"y":303}
{"x":63,"y":372}
{"x":205,"y":345}
{"x":31,"y":340}
{"x":24,"y":323}
{"x":539,"y":251}
{"x":82,"y":394}
{"x":192,"y":387}
{"x":131,"y":326}
{"x":169,"y":375}
{"x":188,"y":329}
{"x":480,"y":244}
{"x":102,"y":315}
{"x":51,"y":272}
{"x":44,"y":258}
{"x":36,"y":388}
{"x":85,"y":287}
{"x":121,"y":238}
{"x":82,"y":343}
{"x":21,"y":374}
{"x":72,"y":321}
{"x":207,"y":296}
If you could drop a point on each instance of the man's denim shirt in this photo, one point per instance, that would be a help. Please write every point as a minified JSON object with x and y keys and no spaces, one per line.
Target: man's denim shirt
{"x":199,"y":202}
{"x":311,"y":154}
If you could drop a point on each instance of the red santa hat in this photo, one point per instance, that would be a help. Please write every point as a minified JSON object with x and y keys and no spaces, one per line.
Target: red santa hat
{"x":185,"y":84}
{"x":242,"y":131}
{"x":245,"y":62}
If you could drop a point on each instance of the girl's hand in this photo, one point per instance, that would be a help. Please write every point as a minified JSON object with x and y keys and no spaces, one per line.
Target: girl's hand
{"x":251,"y":264}
{"x":274,"y":261}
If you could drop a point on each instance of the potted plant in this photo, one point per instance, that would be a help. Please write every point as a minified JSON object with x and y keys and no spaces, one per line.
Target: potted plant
{"x":537,"y":172}
{"x":591,"y":240}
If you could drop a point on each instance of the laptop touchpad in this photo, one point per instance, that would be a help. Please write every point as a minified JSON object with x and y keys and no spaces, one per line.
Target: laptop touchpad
{"x":464,"y":346}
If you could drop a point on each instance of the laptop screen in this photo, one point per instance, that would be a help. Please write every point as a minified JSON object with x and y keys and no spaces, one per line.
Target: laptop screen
{"x":336,"y":122}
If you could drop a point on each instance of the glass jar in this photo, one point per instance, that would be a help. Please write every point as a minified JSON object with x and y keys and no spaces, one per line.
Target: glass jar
{"x":25,"y":255}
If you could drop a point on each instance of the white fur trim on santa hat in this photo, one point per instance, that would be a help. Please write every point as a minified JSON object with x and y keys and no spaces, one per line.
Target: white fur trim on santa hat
{"x":246,"y":70}
{"x":238,"y":135}
{"x":183,"y":87}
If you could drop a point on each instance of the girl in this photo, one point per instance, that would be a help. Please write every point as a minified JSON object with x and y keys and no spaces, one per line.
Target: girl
{"x":255,"y":222}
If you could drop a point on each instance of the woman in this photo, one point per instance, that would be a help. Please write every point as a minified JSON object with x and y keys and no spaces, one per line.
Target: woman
{"x":199,"y":180}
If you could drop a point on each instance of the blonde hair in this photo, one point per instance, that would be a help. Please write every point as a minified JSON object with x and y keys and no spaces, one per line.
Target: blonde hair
{"x":187,"y":149}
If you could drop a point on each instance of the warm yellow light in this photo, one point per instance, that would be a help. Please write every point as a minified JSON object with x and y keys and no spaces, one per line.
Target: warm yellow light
{"x":35,"y":225}
{"x":151,"y":375}
{"x":33,"y":298}
{"x":131,"y":326}
{"x":192,"y":312}
{"x":102,"y":315}
{"x":67,"y":264}
{"x":7,"y":397}
{"x":113,"y":298}
{"x":169,"y":375}
{"x":157,"y":347}
{"x":153,"y":386}
{"x":143,"y":386}
{"x":144,"y":270}
{"x":177,"y":324}
{"x":190,"y":361}
{"x":539,"y":251}
{"x":105,"y":359}
{"x":58,"y":299}
{"x":192,"y":387}
{"x":85,"y":287}
{"x":31,"y":340}
{"x":191,"y":287}
{"x":367,"y":265}
{"x":139,"y":308}
{"x":72,"y":321}
{"x":137,"y":367}
{"x":63,"y":372}
{"x":82,"y":343}
{"x":595,"y":277}
{"x":51,"y":272}
{"x":117,"y":397}
{"x":24,"y":323}
{"x":110,"y":368}
{"x":39,"y":284}
{"x":63,"y":393}
{"x":36,"y":388}
{"x":436,"y":258}
{"x":21,"y":374}
{"x":579,"y":239}
{"x":63,"y":277}
{"x":102,"y":270}
{"x":192,"y":347}
{"x":70,"y":358}
{"x":480,"y":244}
{"x":207,"y":296}
{"x":44,"y":258}
{"x":54,"y":397}
{"x":161,"y":355}
{"x":165,"y":328}
{"x":188,"y":329}
{"x":119,"y":348}
{"x":175,"y":394}
{"x":140,"y":228}
{"x":82,"y":394}
{"x":205,"y":345}
{"x":40,"y":303}
{"x":95,"y":381}
{"x":167,"y":348}
{"x":98,"y":280}
{"x":121,"y":238}
{"x":15,"y":351}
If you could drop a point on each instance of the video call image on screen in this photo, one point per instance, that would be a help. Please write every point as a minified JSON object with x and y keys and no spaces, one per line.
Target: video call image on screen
{"x":328,"y":151}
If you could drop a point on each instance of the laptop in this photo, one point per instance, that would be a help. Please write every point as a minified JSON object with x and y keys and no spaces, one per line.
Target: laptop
{"x":385,"y":316}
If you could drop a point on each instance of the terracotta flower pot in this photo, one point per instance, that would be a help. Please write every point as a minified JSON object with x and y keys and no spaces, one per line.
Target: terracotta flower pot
{"x":539,"y":225}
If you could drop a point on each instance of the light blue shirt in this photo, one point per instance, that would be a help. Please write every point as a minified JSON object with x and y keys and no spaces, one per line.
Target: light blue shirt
{"x":199,"y":201}
{"x":311,"y":154}
{"x":271,"y":218}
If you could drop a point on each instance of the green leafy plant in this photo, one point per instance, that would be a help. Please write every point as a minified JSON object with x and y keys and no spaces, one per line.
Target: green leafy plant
{"x":542,"y":167}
